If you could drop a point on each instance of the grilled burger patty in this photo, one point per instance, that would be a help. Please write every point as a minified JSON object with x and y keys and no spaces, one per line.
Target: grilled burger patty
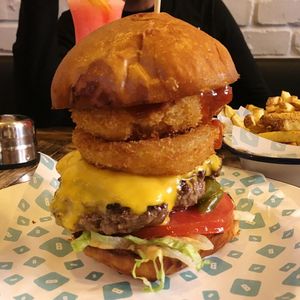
{"x":121,"y":220}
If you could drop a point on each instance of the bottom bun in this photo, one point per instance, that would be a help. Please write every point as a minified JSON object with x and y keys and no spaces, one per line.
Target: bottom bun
{"x":123,"y":260}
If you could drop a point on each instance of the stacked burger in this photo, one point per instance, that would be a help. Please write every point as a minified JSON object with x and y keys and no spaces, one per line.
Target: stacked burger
{"x":140,"y":193}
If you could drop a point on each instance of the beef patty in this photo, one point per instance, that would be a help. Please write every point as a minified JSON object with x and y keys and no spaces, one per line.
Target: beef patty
{"x":121,"y":220}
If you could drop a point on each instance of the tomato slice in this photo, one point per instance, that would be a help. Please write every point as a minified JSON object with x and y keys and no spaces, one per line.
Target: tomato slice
{"x":191,"y":221}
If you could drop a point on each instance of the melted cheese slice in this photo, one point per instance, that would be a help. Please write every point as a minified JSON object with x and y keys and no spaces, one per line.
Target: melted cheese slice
{"x":86,"y":189}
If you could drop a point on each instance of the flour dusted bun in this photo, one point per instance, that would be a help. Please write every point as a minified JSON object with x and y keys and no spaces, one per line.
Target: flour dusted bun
{"x":123,"y":260}
{"x":141,"y":59}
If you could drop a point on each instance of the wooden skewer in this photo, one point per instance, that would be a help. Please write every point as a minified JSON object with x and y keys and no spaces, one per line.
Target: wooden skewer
{"x":157,"y":6}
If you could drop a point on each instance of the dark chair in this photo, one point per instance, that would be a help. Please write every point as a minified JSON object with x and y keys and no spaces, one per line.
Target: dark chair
{"x":7,"y":95}
{"x":281,"y":74}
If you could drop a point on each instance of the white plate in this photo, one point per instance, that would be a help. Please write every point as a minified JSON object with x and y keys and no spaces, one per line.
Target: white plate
{"x":262,"y":263}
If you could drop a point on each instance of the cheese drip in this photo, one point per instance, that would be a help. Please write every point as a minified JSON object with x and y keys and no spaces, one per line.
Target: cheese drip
{"x":85,"y":188}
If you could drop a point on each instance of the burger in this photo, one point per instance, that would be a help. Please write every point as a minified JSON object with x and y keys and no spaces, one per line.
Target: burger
{"x":139,"y":194}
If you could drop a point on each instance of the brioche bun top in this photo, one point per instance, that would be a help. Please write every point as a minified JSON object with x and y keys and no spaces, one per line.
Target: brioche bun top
{"x":141,"y":59}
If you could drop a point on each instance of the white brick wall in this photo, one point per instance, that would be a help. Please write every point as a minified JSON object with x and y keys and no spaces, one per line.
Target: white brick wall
{"x":271,"y":27}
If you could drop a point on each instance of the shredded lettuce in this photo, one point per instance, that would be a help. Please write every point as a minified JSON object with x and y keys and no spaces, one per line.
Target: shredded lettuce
{"x":81,"y":242}
{"x":185,"y":249}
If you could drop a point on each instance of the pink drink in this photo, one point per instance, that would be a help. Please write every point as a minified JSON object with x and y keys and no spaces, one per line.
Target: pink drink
{"x":88,"y":15}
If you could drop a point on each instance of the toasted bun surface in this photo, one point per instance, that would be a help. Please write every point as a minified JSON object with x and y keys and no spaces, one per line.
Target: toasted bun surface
{"x":141,"y":59}
{"x":123,"y":260}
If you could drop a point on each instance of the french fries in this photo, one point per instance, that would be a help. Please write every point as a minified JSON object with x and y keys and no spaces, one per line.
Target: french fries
{"x":230,"y":113}
{"x":279,"y":121}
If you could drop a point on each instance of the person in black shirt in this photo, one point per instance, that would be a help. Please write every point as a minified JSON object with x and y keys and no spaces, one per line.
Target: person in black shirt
{"x":42,"y":42}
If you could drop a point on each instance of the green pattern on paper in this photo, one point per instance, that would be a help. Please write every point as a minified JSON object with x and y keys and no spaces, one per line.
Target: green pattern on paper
{"x":272,"y":188}
{"x":47,"y":162}
{"x":45,"y":219}
{"x":255,"y":238}
{"x":245,"y":204}
{"x":245,"y":287}
{"x":23,"y":205}
{"x":216,"y":266}
{"x":57,"y":246}
{"x":166,"y":285}
{"x":54,"y":183}
{"x":287,"y":267}
{"x":74,"y":264}
{"x":270,"y":251}
{"x":257,"y":268}
{"x":258,"y":222}
{"x":249,"y":138}
{"x":43,"y":200}
{"x":66,"y":296}
{"x":21,"y":249}
{"x":288,"y":234}
{"x":235,"y":254}
{"x":12,"y":234}
{"x":274,"y":227}
{"x":94,"y":276}
{"x":234,"y":240}
{"x":51,"y":281}
{"x":23,"y":221}
{"x":286,"y":296}
{"x":226,"y":182}
{"x":12,"y":280}
{"x":287,"y":212}
{"x":6,"y":265}
{"x":36,"y":181}
{"x":24,"y":297}
{"x":251,"y":180}
{"x":119,"y":290}
{"x":240,"y":191}
{"x":34,"y":261}
{"x":66,"y":232}
{"x":257,"y":191}
{"x":273,"y":201}
{"x":37,"y":232}
{"x":188,"y":275}
{"x":293,"y":279}
{"x":210,"y":295}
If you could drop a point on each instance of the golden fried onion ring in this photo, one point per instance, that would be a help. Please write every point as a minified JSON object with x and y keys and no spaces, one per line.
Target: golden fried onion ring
{"x":141,"y":122}
{"x":166,"y":156}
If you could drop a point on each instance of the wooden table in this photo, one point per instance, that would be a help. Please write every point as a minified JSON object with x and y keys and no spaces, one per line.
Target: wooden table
{"x":55,"y":142}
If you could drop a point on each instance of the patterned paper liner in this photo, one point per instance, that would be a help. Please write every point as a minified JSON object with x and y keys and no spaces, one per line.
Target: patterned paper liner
{"x":37,"y":262}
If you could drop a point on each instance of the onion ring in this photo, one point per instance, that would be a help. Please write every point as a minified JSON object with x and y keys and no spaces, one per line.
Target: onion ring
{"x":166,"y":156}
{"x":153,"y":120}
{"x":141,"y":122}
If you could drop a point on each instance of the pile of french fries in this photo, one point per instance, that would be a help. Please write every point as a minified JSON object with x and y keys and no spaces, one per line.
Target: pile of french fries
{"x":279,"y":121}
